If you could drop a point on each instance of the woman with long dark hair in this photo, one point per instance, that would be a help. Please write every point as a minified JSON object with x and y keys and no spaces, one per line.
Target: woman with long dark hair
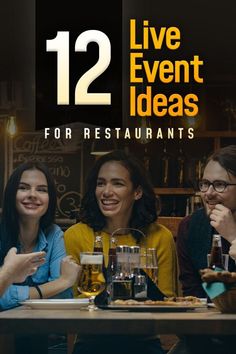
{"x":27,"y":224}
{"x":119,"y":195}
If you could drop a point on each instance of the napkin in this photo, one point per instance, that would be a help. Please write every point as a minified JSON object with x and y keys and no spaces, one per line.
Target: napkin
{"x":215,"y":289}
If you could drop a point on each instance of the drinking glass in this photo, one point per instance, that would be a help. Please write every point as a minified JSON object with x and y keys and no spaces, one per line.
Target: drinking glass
{"x":92,"y":281}
{"x":151,"y":267}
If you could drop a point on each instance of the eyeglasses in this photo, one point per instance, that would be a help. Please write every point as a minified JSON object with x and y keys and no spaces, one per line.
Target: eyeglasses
{"x":219,"y":186}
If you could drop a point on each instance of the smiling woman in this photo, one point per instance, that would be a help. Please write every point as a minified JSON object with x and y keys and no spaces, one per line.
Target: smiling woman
{"x":27,"y":224}
{"x":32,"y":195}
{"x":115,"y":194}
{"x":119,"y":195}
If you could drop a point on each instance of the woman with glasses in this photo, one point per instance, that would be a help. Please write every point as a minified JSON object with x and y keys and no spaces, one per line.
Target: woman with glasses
{"x":218,"y":193}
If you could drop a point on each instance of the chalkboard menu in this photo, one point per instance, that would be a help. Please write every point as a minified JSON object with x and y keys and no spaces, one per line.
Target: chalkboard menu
{"x":63,"y":157}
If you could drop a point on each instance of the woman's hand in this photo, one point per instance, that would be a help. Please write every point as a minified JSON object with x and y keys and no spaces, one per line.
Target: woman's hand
{"x":19,"y":266}
{"x":69,"y":270}
{"x":69,"y":274}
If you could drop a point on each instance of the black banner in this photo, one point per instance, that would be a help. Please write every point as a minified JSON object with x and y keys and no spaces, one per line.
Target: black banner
{"x":78,"y":63}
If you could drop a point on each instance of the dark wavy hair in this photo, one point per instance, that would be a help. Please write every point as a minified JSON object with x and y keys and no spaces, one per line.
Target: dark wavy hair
{"x":9,"y":228}
{"x":226,"y":157}
{"x":145,"y":210}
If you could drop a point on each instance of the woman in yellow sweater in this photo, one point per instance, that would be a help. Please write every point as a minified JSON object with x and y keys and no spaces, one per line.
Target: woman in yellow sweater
{"x":119,"y":195}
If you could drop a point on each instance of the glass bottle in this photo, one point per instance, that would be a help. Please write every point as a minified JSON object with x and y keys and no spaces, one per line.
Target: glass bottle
{"x":122,"y":281}
{"x":197,"y":202}
{"x":187,"y":210}
{"x":199,"y":168}
{"x":111,"y":267}
{"x":216,"y":256}
{"x":173,"y":212}
{"x":146,"y":160}
{"x":180,"y":168}
{"x":165,"y":167}
{"x":98,"y":246}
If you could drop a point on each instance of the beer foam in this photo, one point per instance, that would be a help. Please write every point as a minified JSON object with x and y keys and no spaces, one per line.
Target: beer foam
{"x":91,"y":259}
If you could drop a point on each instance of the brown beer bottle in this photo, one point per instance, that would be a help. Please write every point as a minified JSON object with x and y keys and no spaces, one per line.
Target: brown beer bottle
{"x":180,"y":168}
{"x":165,"y":167}
{"x":111,"y":268}
{"x":98,"y":246}
{"x":216,"y":258}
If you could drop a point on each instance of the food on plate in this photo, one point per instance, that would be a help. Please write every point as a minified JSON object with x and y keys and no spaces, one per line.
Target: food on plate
{"x":172,"y":301}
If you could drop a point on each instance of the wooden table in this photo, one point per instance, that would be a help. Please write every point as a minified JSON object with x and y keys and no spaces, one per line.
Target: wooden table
{"x":23,"y":320}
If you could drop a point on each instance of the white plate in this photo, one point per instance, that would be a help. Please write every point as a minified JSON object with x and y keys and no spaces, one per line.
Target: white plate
{"x":55,"y":304}
{"x":211,"y":305}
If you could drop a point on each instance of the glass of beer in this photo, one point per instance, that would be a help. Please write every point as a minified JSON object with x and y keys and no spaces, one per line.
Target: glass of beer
{"x":149,"y":263}
{"x":91,"y":281}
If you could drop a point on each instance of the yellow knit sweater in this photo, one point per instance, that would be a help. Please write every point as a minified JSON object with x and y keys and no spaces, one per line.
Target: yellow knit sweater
{"x":80,"y":238}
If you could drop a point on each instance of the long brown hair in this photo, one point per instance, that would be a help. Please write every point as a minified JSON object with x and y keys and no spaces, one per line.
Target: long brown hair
{"x":145,"y":210}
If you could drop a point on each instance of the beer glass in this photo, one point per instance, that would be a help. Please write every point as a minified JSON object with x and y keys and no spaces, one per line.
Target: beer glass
{"x":91,"y":281}
{"x":151,"y":267}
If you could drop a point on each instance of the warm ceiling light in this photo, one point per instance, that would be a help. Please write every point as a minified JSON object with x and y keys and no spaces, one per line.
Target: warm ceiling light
{"x":102,"y":147}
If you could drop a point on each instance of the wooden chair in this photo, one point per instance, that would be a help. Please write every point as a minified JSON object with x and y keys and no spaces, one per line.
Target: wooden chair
{"x":172,"y":223}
